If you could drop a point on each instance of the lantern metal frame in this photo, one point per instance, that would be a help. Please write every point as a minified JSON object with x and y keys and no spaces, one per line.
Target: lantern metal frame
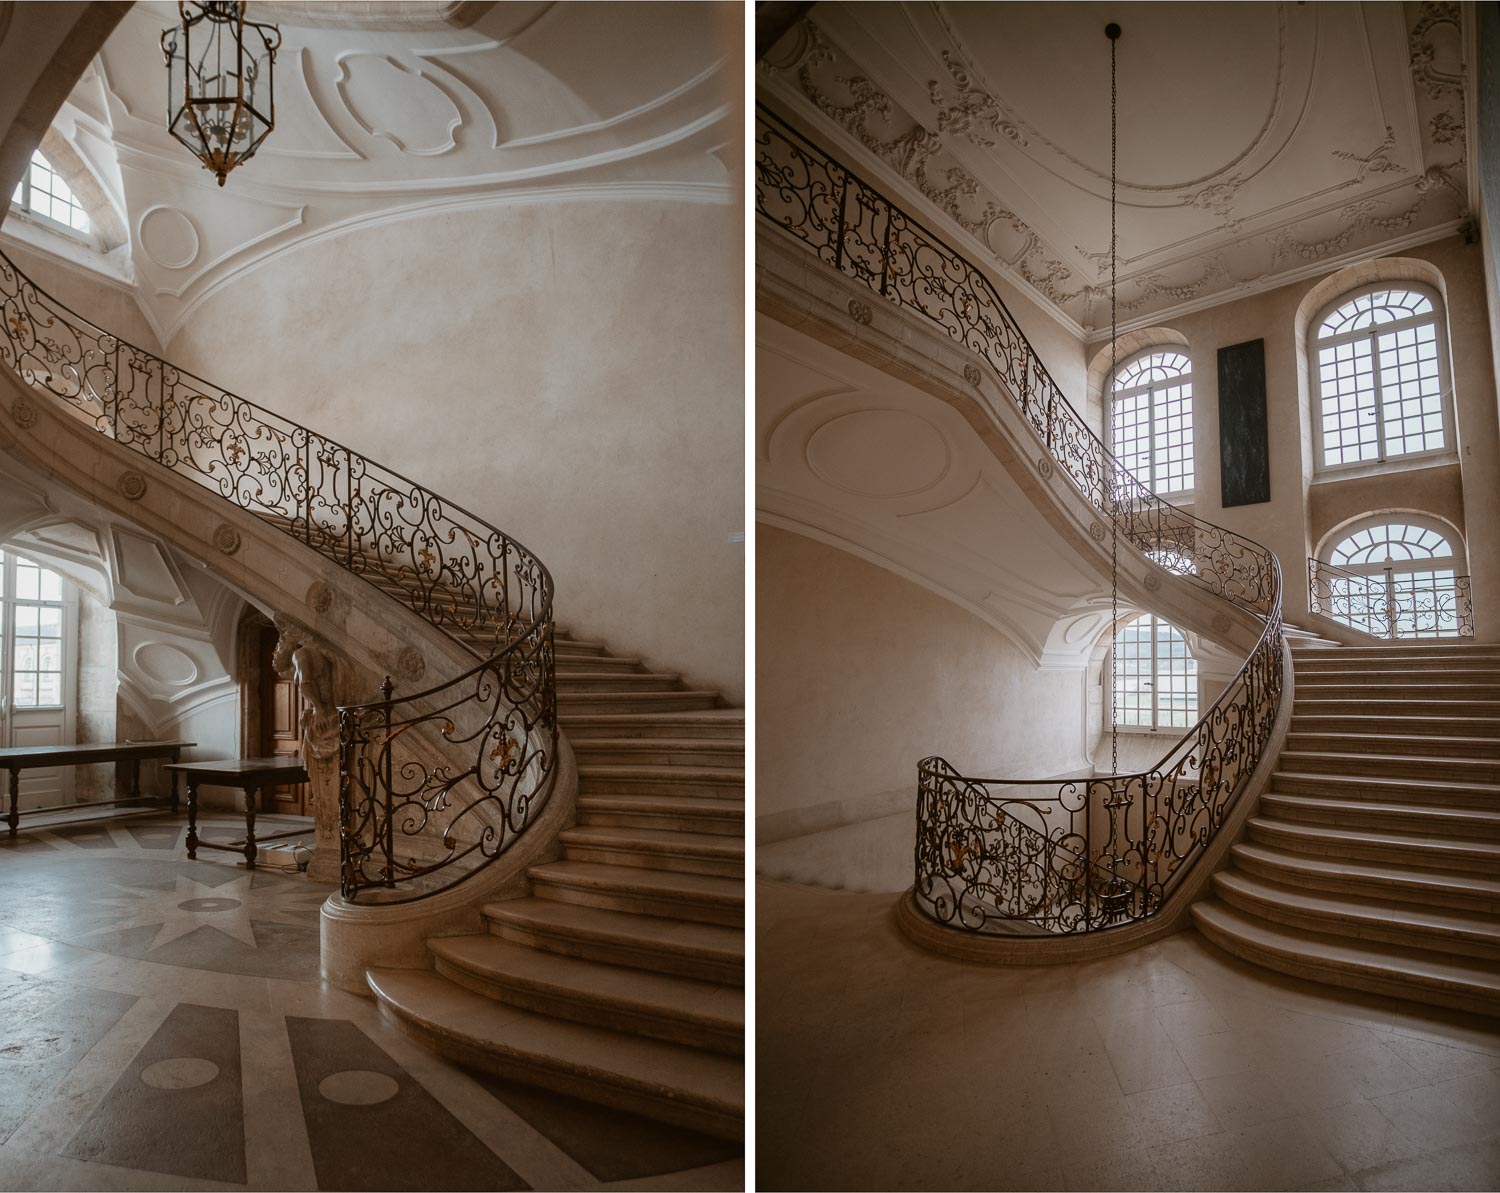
{"x":195,"y":119}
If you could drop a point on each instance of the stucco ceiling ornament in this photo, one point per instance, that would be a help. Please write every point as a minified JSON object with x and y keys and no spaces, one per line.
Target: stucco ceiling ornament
{"x":1152,"y":582}
{"x":132,"y":485}
{"x":1424,"y":71}
{"x":1045,"y":467}
{"x":971,"y":106}
{"x":226,"y":538}
{"x":1446,"y":128}
{"x":1096,"y":531}
{"x":1377,"y":161}
{"x":1218,"y":199}
{"x":861,"y":312}
{"x":972,"y":374}
{"x":23,"y":413}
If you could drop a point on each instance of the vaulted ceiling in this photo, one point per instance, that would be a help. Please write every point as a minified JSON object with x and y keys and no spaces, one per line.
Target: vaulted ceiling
{"x":1258,"y":142}
{"x":387,"y":110}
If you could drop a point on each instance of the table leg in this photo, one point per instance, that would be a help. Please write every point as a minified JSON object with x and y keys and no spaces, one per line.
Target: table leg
{"x":192,"y":840}
{"x":252,"y":794}
{"x":13,"y":818}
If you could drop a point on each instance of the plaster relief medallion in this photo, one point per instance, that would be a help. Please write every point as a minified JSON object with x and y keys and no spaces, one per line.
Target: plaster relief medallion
{"x":1045,"y":467}
{"x":1221,"y":623}
{"x":861,"y":312}
{"x":320,"y":597}
{"x":411,"y":664}
{"x":165,"y":663}
{"x":972,"y":374}
{"x":133,"y":485}
{"x":24,"y":413}
{"x":169,"y":237}
{"x":878,"y":453}
{"x":397,"y":103}
{"x":1096,"y":531}
{"x":1153,"y":582}
{"x":226,"y":538}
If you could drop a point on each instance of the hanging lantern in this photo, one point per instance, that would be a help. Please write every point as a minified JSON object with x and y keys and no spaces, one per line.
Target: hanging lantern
{"x":219,"y":99}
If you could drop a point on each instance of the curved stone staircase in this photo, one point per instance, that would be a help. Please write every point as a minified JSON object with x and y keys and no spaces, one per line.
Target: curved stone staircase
{"x":1374,"y":860}
{"x":621,"y":978}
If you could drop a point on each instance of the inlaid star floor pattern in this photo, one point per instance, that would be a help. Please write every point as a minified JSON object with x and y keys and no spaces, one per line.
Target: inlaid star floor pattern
{"x":163,"y":1026}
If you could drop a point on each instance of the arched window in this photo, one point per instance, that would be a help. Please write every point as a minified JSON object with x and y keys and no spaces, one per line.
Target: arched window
{"x":1156,"y":676}
{"x":31,"y":600}
{"x":1151,"y":420}
{"x":1397,"y":578}
{"x":42,"y":192}
{"x":1380,"y":379}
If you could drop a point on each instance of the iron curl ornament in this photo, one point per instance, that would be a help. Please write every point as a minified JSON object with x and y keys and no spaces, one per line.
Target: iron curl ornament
{"x":221,"y":102}
{"x":434,"y":784}
{"x":995,"y":854}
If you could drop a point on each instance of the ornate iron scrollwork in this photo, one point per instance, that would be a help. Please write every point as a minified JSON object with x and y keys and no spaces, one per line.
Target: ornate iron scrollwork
{"x":1093,"y":853}
{"x":411,"y":825}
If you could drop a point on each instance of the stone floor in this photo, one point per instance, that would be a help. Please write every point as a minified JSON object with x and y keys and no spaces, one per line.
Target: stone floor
{"x":162,"y":1026}
{"x":880,"y":1065}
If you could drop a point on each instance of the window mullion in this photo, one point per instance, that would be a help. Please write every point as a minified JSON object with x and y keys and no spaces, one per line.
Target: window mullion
{"x":1379,"y":396}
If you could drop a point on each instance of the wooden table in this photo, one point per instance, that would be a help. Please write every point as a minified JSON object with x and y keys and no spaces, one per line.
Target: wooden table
{"x":19,"y":758}
{"x":250,"y":775}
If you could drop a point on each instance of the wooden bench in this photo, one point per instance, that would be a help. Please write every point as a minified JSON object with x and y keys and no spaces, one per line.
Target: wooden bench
{"x":19,"y":758}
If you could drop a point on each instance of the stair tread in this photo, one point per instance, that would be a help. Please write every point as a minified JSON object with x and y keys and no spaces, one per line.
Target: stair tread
{"x":707,"y":805}
{"x":700,"y":716}
{"x":1353,"y":836}
{"x":1434,"y":785}
{"x":655,"y":840}
{"x":1433,"y":812}
{"x":1319,"y":950}
{"x":1456,"y":742}
{"x":489,"y":956}
{"x":1314,"y":865}
{"x":701,"y":887}
{"x":1363,"y":909}
{"x":622,"y":927}
{"x":1425,"y":759}
{"x":715,"y":745}
{"x":665,"y":771}
{"x":705,"y":1079}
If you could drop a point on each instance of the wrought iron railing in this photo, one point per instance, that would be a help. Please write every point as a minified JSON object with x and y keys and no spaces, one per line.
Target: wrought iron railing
{"x":1090,"y":853}
{"x":410,"y":826}
{"x":1431,"y":603}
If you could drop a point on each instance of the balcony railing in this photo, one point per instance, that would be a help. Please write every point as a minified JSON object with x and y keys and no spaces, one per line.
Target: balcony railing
{"x":1431,"y":603}
{"x":992,"y":854}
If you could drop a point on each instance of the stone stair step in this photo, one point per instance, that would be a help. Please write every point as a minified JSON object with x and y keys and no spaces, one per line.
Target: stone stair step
{"x":1407,"y":884}
{"x":1468,"y":984}
{"x":629,"y":702}
{"x":1415,"y":661}
{"x":1395,"y":817}
{"x":1437,"y":853}
{"x":1456,"y":647}
{"x":1475,"y":795}
{"x":688,"y":1087}
{"x":678,"y":813}
{"x":1392,"y":765}
{"x":708,"y":952}
{"x":573,"y":664}
{"x":725,"y":781}
{"x":687,"y":853}
{"x":1396,"y":724}
{"x":665,"y":894}
{"x":659,"y":751}
{"x":714,"y":724}
{"x":1397,"y":706}
{"x":570,"y":683}
{"x":1406,"y":744}
{"x":1415,"y":686}
{"x":1470,"y":934}
{"x":680,"y":1010}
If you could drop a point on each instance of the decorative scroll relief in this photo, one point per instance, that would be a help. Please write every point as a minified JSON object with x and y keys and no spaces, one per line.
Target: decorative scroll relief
{"x":395,"y":102}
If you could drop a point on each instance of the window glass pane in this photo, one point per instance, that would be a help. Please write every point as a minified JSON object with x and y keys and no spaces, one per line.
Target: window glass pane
{"x":49,"y":689}
{"x":1151,"y":421}
{"x":51,"y":586}
{"x":53,"y":198}
{"x":26,"y":688}
{"x":28,"y":582}
{"x":26,"y":620}
{"x":49,"y":619}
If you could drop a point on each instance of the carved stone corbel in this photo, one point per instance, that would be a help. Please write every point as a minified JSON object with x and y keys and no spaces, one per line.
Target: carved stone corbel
{"x":324,"y":678}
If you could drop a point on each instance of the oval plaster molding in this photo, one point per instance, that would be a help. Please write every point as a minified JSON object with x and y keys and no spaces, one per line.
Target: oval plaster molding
{"x":168,"y":236}
{"x":320,"y":596}
{"x":133,"y":485}
{"x":410,"y":663}
{"x":1153,"y":582}
{"x":1221,"y":623}
{"x":1096,"y":531}
{"x":861,"y":312}
{"x":972,"y":374}
{"x":1045,"y":466}
{"x":165,"y":663}
{"x":392,"y":101}
{"x":879,"y":453}
{"x":23,"y":413}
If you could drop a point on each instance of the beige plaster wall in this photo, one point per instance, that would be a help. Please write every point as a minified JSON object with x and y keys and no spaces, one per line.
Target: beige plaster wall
{"x":1302,"y":510}
{"x":95,"y":700}
{"x":861,"y":673}
{"x":572,"y":372}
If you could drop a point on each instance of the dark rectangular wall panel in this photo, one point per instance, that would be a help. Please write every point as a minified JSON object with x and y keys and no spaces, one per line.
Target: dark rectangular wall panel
{"x":1244,"y":456}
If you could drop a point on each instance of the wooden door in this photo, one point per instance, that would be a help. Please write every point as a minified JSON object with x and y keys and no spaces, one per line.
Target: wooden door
{"x":280,"y":727}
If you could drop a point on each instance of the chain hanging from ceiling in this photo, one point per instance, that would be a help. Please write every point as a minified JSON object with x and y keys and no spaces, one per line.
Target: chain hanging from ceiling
{"x":1112,"y":31}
